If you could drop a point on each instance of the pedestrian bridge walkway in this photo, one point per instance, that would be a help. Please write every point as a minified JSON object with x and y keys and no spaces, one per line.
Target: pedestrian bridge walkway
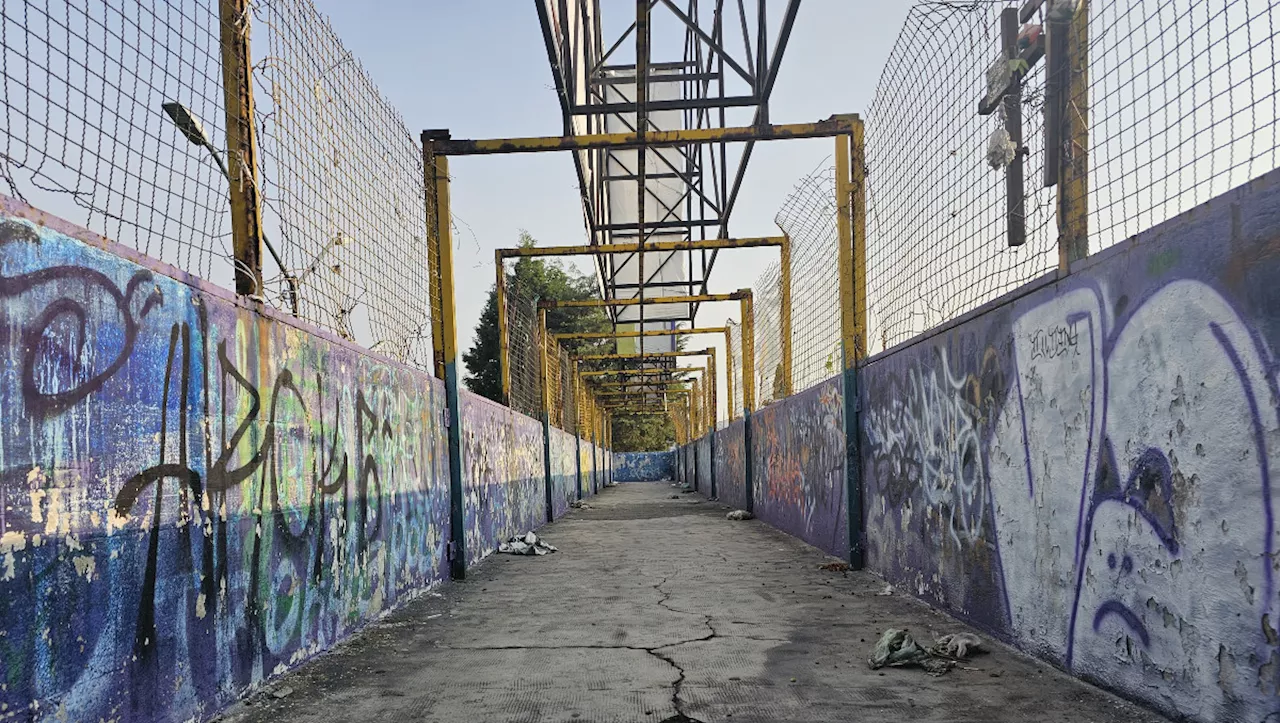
{"x":657,"y":607}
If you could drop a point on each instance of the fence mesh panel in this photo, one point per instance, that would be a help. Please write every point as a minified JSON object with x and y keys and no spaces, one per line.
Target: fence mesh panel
{"x":84,"y":134}
{"x":808,"y":217}
{"x":1183,"y":106}
{"x":341,"y":176}
{"x":343,"y":180}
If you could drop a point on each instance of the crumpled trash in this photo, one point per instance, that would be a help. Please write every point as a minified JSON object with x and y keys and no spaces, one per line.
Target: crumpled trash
{"x":526,"y":544}
{"x":834,"y":566}
{"x":739,"y":515}
{"x":897,"y":648}
{"x":579,"y":505}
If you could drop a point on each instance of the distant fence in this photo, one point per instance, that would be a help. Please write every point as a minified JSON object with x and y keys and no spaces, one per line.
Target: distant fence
{"x":340,"y":175}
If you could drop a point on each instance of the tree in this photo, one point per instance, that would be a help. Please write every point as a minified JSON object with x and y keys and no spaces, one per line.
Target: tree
{"x":530,"y":280}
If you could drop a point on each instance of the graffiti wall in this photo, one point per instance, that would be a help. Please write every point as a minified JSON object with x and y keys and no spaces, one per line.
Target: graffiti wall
{"x":564,"y":471}
{"x":193,"y":496}
{"x":1089,"y":469}
{"x":703,"y":449}
{"x":502,"y":473}
{"x":730,"y":462}
{"x":644,"y":466}
{"x":798,"y":455}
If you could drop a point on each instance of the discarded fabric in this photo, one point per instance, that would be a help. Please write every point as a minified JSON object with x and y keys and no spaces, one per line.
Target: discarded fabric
{"x":739,"y":515}
{"x":579,"y":505}
{"x":526,"y":544}
{"x":898,"y":648}
{"x":834,"y":566}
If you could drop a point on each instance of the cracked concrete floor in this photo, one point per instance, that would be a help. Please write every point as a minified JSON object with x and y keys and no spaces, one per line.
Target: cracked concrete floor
{"x":657,"y":608}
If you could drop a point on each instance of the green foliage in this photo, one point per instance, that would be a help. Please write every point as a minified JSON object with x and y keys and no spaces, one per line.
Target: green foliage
{"x":643,"y":434}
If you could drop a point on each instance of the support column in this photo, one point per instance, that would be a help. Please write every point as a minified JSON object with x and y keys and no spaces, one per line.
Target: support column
{"x":445,"y":342}
{"x":748,"y":395}
{"x":577,"y":426}
{"x":851,"y":233}
{"x":548,"y":481}
{"x":242,"y":147}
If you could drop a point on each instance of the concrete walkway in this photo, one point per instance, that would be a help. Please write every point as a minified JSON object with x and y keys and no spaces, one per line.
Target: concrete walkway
{"x":658,"y":608}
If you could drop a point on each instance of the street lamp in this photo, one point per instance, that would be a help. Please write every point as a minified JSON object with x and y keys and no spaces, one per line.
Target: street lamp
{"x":190,"y":127}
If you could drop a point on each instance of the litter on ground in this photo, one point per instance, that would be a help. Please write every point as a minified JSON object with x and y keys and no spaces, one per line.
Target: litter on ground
{"x":897,"y":648}
{"x":739,"y":515}
{"x":526,"y":544}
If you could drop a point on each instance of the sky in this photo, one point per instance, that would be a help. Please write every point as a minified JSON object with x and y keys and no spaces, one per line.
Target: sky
{"x":480,"y":70}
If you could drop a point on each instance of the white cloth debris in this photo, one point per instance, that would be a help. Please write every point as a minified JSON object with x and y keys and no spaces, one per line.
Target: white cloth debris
{"x":526,"y":544}
{"x":739,"y":515}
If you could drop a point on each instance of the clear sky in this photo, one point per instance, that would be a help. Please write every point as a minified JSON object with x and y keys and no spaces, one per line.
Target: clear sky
{"x":480,"y":69}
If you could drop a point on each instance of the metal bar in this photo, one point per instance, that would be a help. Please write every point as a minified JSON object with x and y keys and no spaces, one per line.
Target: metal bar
{"x":1015,"y":202}
{"x":619,"y":141}
{"x":242,"y":147}
{"x":654,"y":355}
{"x":577,"y":426}
{"x":437,"y":227}
{"x":552,"y":304}
{"x":748,"y":354}
{"x":784,"y":316}
{"x":640,"y":372}
{"x":504,"y":344}
{"x":733,"y":101}
{"x":545,"y":367}
{"x":851,"y":231}
{"x":437,"y":178}
{"x":638,"y":334}
{"x":656,"y":226}
{"x":1073,"y":185}
{"x":664,"y":78}
{"x":728,"y":379}
{"x":715,"y":243}
{"x":711,"y":42}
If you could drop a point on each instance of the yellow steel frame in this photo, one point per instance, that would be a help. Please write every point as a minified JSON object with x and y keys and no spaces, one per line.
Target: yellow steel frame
{"x":640,"y":372}
{"x":634,"y":334}
{"x":697,"y":298}
{"x":728,"y":379}
{"x":654,"y":246}
{"x":748,"y":354}
{"x":851,"y":249}
{"x":833,"y":126}
{"x":647,"y":355}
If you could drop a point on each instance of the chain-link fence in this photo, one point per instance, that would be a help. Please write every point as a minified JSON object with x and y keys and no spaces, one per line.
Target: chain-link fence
{"x":115,"y":118}
{"x":343,"y":180}
{"x":84,"y":134}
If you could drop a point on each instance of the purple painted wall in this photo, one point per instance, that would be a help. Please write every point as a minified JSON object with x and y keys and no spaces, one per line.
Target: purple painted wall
{"x":702,"y":448}
{"x":731,"y":466}
{"x":197,"y":495}
{"x":193,"y":496}
{"x":564,"y":473}
{"x":502,"y":472}
{"x":644,"y":466}
{"x":798,"y":455}
{"x":1088,"y":468}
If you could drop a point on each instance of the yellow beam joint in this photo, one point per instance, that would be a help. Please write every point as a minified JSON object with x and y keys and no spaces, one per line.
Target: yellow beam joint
{"x":242,"y":147}
{"x":834,"y":125}
{"x":651,"y":246}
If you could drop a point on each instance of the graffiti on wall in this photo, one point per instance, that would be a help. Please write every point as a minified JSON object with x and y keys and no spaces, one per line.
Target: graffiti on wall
{"x":504,"y":479}
{"x":564,"y":472}
{"x":731,"y":467}
{"x":1090,"y":470}
{"x":644,"y":466}
{"x":193,"y":497}
{"x":799,"y":458}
